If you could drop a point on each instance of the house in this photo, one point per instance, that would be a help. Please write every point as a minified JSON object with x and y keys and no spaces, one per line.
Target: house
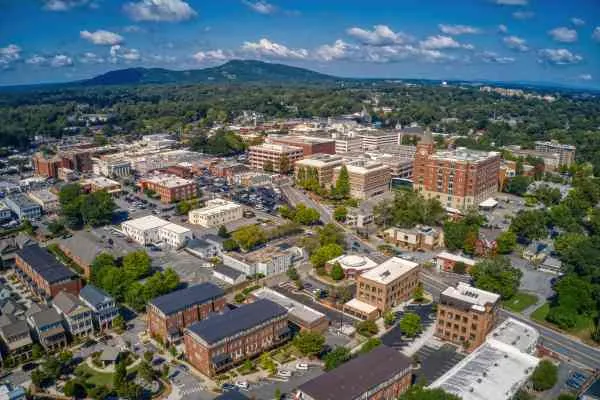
{"x":17,"y":342}
{"x":551,"y":264}
{"x":77,"y":316}
{"x":417,"y":238}
{"x":228,"y":274}
{"x":103,"y":306}
{"x":48,"y":327}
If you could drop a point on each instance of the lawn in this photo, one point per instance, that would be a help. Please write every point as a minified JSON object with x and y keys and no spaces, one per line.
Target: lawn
{"x":583,"y":328}
{"x":520,"y":302}
{"x":95,"y":377}
{"x":540,"y":313}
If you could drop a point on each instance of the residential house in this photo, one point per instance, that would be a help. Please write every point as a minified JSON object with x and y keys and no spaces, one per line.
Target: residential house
{"x":48,"y":327}
{"x":78,"y":317}
{"x":103,"y":306}
{"x":16,"y":340}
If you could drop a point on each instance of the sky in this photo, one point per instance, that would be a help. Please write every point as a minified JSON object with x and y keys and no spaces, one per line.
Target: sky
{"x":545,"y":41}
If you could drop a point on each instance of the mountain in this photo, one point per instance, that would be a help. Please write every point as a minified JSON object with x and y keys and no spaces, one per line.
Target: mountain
{"x":232,"y":71}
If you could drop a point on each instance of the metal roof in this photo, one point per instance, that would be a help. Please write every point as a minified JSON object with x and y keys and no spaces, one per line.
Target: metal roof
{"x":94,"y":296}
{"x":44,"y":263}
{"x":17,"y":328}
{"x":185,"y":298}
{"x":46,"y":317}
{"x":221,"y":326}
{"x":227,"y":271}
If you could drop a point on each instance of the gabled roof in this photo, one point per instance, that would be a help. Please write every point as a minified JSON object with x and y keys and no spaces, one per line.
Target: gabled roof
{"x":45,"y":317}
{"x":185,"y":298}
{"x":17,"y":328}
{"x":94,"y":296}
{"x":82,"y":247}
{"x":68,"y":303}
{"x":228,"y":271}
{"x":44,"y":263}
{"x":220,"y":326}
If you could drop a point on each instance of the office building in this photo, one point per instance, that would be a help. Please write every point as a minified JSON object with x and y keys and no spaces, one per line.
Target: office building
{"x":46,"y":166}
{"x":216,"y":212}
{"x":322,"y":165}
{"x":5,"y":212}
{"x":23,"y":206}
{"x":347,"y":144}
{"x":352,"y":264}
{"x":381,"y":374}
{"x":465,"y":315}
{"x":168,"y":315}
{"x":112,"y":167}
{"x":566,"y":152}
{"x":379,"y":140}
{"x":78,"y":317}
{"x":367,"y":178}
{"x":171,"y":188}
{"x":415,"y":239}
{"x":270,"y":260}
{"x":221,"y":341}
{"x":273,"y":157}
{"x":458,"y":178}
{"x":386,"y":286}
{"x":103,"y":306}
{"x":46,"y":199}
{"x":309,"y":144}
{"x":99,"y":183}
{"x":154,"y":230}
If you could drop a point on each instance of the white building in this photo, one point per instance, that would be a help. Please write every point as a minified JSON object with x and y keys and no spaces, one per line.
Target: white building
{"x":373,"y":140}
{"x":112,"y":167}
{"x":267,"y":261}
{"x":347,"y":144}
{"x":46,"y":199}
{"x":217,"y":212}
{"x":153,"y":230}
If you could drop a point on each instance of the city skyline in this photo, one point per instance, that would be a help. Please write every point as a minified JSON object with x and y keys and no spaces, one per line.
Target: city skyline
{"x":493,"y":40}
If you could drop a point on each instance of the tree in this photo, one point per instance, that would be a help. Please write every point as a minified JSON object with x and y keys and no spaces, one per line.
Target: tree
{"x":418,"y":392}
{"x":309,"y":343}
{"x":506,"y":242}
{"x":530,"y":224}
{"x":342,"y":184}
{"x":284,"y":164}
{"x":410,"y":324}
{"x":460,"y":268}
{"x":419,"y":294}
{"x":230,"y":245}
{"x":292,"y":273}
{"x":74,"y":389}
{"x":277,"y":395}
{"x":268,"y":166}
{"x":369,"y":345}
{"x":340,"y":213}
{"x":223,"y":232}
{"x":56,"y":228}
{"x":544,"y":376}
{"x":367,"y":328}
{"x":70,"y":197}
{"x":389,"y":318}
{"x":37,"y":351}
{"x":518,"y":185}
{"x":306,"y":215}
{"x":38,"y":378}
{"x":119,"y":322}
{"x":461,"y":234}
{"x":145,"y":371}
{"x":249,"y":236}
{"x":497,"y":275}
{"x":336,"y":357}
{"x":331,"y":234}
{"x":136,"y":265}
{"x":325,"y":253}
{"x":337,"y":272}
{"x":148,"y":356}
{"x":267,"y":363}
{"x":120,"y":375}
{"x":97,"y":208}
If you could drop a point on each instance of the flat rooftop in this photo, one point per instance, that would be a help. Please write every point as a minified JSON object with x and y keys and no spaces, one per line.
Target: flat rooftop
{"x":216,"y":206}
{"x":22,"y":201}
{"x":101,"y":181}
{"x":464,"y":154}
{"x":146,"y":223}
{"x":364,"y":167}
{"x":456,"y":258}
{"x":302,"y":139}
{"x":44,"y":195}
{"x":279,"y":148}
{"x":185,"y":298}
{"x":517,"y":334}
{"x":175,"y":228}
{"x":361,"y":306}
{"x":390,"y":270}
{"x":295,"y":308}
{"x":470,"y":296}
{"x":321,"y":160}
{"x":353,"y":261}
{"x":169,"y":181}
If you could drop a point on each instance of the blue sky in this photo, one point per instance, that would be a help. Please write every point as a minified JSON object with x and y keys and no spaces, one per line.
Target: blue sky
{"x":552,"y":41}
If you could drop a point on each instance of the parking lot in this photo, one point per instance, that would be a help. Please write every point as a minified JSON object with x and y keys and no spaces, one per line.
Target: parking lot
{"x":436,"y":361}
{"x":265,"y":388}
{"x":393,"y":338}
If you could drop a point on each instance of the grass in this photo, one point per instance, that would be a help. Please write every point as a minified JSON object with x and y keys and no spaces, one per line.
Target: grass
{"x":520,"y":302}
{"x":541,"y":312}
{"x":96,"y":378}
{"x":582,"y":329}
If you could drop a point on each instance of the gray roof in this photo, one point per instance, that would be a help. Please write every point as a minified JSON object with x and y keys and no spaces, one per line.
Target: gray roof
{"x":67,"y":303}
{"x":231,"y":395}
{"x":82,"y":247}
{"x":228,"y":271}
{"x":357,"y":376}
{"x":10,"y":307}
{"x":213,"y":238}
{"x":46,"y":317}
{"x":198,"y":244}
{"x":17,"y":328}
{"x":220,"y":326}
{"x":6,"y":320}
{"x":110,"y":354}
{"x":185,"y":298}
{"x":94,"y":296}
{"x":44,"y":263}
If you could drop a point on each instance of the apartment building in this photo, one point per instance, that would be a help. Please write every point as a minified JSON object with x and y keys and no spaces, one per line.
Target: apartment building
{"x":48,"y":327}
{"x":154,"y":230}
{"x":458,"y":178}
{"x":379,"y":140}
{"x":76,"y":160}
{"x":168,"y":315}
{"x":38,"y":270}
{"x":347,"y":144}
{"x":465,"y":315}
{"x":309,"y":144}
{"x":17,"y":342}
{"x":274,"y":155}
{"x":221,"y":341}
{"x":216,"y":212}
{"x":104,"y":307}
{"x":171,"y":188}
{"x":78,"y":317}
{"x":46,"y":199}
{"x":415,"y":239}
{"x":322,"y":164}
{"x":367,"y":178}
{"x":23,"y":206}
{"x":383,"y":287}
{"x":551,"y":160}
{"x":46,"y":166}
{"x":566,"y":152}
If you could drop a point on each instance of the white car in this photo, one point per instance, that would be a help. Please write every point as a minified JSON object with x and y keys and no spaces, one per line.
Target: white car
{"x":284,"y":373}
{"x":242,"y":385}
{"x":302,"y":366}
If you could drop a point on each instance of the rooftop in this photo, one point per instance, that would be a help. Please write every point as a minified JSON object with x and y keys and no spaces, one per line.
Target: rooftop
{"x":45,"y":317}
{"x":43,"y":195}
{"x":301,"y":139}
{"x":364,"y":167}
{"x":101,"y":181}
{"x":321,"y":160}
{"x":94,"y":295}
{"x":464,"y":154}
{"x":353,"y":261}
{"x":17,"y":328}
{"x":295,"y":308}
{"x":358,"y":376}
{"x":390,"y":270}
{"x":227,"y":271}
{"x":456,"y":258}
{"x":220,"y":326}
{"x":470,"y":296}
{"x":44,"y":263}
{"x":185,"y":298}
{"x":215,"y":206}
{"x":67,"y":303}
{"x":175,"y":228}
{"x":279,"y":148}
{"x":169,"y":181}
{"x":361,"y":306}
{"x":517,"y":334}
{"x":21,"y":200}
{"x":146,"y":223}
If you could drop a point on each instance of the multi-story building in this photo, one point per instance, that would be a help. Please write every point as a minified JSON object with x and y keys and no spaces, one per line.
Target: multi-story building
{"x":274,"y":259}
{"x":77,"y":316}
{"x":168,"y":315}
{"x":275,"y":156}
{"x":458,"y":178}
{"x":48,"y":327}
{"x":23,"y":206}
{"x":171,"y":188}
{"x":67,"y":175}
{"x":5,"y":212}
{"x":566,"y":152}
{"x":16,"y":340}
{"x":322,"y":164}
{"x":399,"y":167}
{"x":46,"y":199}
{"x":45,"y":166}
{"x":221,"y":341}
{"x":103,"y":306}
{"x":217,"y":212}
{"x":381,"y":374}
{"x":99,"y":183}
{"x":76,"y":160}
{"x":417,"y":238}
{"x":154,"y":230}
{"x":379,"y":140}
{"x":352,"y":264}
{"x":447,"y":261}
{"x":347,"y":144}
{"x":383,"y":287}
{"x":309,"y":144}
{"x":465,"y":315}
{"x":367,"y":178}
{"x":112,"y":167}
{"x":228,"y":275}
{"x":37,"y":269}
{"x":551,"y":160}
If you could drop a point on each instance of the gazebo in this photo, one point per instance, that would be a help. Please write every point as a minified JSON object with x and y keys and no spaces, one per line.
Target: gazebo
{"x":110,"y":356}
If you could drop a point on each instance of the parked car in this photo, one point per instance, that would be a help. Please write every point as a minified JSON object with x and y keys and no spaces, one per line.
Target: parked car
{"x":284,"y":373}
{"x":228,"y":386}
{"x":242,"y":385}
{"x":302,"y":366}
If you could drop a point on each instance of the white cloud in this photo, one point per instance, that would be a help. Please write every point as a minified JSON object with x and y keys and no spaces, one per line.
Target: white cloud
{"x":523,"y":14}
{"x":516,"y":43}
{"x":118,"y":52}
{"x":458,"y":29}
{"x":493,"y":58}
{"x":102,"y":37}
{"x":261,"y":7}
{"x":339,"y":50}
{"x":91,"y":58}
{"x":66,"y":5}
{"x":596,"y":34}
{"x":577,"y":21}
{"x":267,"y":49}
{"x":61,"y":60}
{"x":512,"y":2}
{"x":212,"y":56}
{"x":133,"y":29}
{"x":562,"y":34}
{"x":439,"y":42}
{"x":381,"y":35}
{"x":558,"y":56}
{"x":9,"y":54}
{"x":36,"y":60}
{"x":160,"y":10}
{"x":163,"y":59}
{"x":502,"y":28}
{"x":585,"y":77}
{"x":387,"y":54}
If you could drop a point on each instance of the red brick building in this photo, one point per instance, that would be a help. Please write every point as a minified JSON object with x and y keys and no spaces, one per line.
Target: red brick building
{"x":458,"y":178}
{"x":221,"y":341}
{"x":76,"y":160}
{"x":309,"y":144}
{"x":170,"y":314}
{"x":381,"y":374}
{"x":37,"y":269}
{"x":48,"y":167}
{"x":180,"y":171}
{"x":171,"y":188}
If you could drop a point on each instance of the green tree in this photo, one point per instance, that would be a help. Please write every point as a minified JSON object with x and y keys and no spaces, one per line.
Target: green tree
{"x":119,"y":323}
{"x":148,"y":356}
{"x":518,"y":185}
{"x":331,"y":234}
{"x":74,"y":389}
{"x":410,"y":324}
{"x":389,"y":318}
{"x":145,"y":371}
{"x":230,"y":245}
{"x":70,"y":197}
{"x":337,"y":272}
{"x":277,"y":395}
{"x":369,"y":345}
{"x":460,"y":268}
{"x":249,"y":236}
{"x":56,"y":228}
{"x":223,"y":232}
{"x":342,"y":184}
{"x":306,"y":215}
{"x":336,"y":357}
{"x":497,"y":275}
{"x":325,"y":253}
{"x":309,"y":343}
{"x":340,"y":213}
{"x":37,"y":351}
{"x":267,"y":363}
{"x":292,"y":273}
{"x":97,"y":208}
{"x":544,"y":376}
{"x":418,"y":392}
{"x":530,"y":224}
{"x":506,"y":242}
{"x":120,"y":375}
{"x":136,"y":265}
{"x":419,"y":294}
{"x":367,"y":328}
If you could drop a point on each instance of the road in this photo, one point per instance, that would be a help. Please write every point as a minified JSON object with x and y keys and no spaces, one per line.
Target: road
{"x":571,"y":349}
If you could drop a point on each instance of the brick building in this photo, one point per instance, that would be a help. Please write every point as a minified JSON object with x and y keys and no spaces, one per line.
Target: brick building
{"x":179,"y":170}
{"x":171,"y":188}
{"x":45,"y":166}
{"x":309,"y":144}
{"x":274,"y":154}
{"x":445,"y":261}
{"x":37,"y":269}
{"x":367,"y":178}
{"x":74,"y":160}
{"x":417,"y":238}
{"x":80,"y":161}
{"x":458,"y":178}
{"x":465,"y":315}
{"x":221,"y":341}
{"x":168,"y":315}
